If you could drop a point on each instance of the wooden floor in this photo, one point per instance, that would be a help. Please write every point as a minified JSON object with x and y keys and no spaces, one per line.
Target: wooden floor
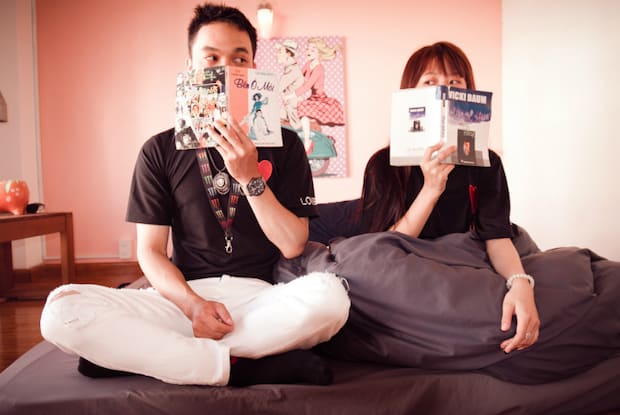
{"x":19,"y":329}
{"x":19,"y":321}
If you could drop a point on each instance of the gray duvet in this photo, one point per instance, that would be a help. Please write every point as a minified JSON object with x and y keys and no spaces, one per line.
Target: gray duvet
{"x":437,"y":305}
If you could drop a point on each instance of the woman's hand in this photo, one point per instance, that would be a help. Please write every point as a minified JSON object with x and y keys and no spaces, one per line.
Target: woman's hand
{"x":435,"y":178}
{"x":519,"y":301}
{"x":434,"y":170}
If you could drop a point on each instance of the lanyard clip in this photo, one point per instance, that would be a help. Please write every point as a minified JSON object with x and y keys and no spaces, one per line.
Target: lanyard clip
{"x":228,"y":246}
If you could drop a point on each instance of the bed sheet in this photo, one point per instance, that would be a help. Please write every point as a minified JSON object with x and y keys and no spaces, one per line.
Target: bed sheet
{"x":45,"y":381}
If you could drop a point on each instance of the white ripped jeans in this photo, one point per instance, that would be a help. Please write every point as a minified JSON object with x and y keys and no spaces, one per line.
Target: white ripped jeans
{"x":140,"y":331}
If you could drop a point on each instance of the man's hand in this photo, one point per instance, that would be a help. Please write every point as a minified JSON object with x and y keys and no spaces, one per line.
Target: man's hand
{"x":210,"y":319}
{"x":238,"y":151}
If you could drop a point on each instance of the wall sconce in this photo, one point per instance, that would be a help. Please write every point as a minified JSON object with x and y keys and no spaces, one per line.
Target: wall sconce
{"x":4,"y":116}
{"x":265,"y":19}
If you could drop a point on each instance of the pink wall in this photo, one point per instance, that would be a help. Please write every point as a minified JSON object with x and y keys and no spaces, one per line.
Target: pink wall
{"x":106,"y":79}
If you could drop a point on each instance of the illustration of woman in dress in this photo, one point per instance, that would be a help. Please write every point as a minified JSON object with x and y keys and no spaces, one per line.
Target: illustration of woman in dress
{"x":258,"y":119}
{"x":318,"y":106}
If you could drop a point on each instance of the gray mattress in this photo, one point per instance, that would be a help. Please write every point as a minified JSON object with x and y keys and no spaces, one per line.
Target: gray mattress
{"x":45,"y":381}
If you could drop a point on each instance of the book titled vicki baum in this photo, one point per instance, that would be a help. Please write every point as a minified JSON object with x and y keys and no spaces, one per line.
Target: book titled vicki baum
{"x":422,"y":117}
{"x":249,"y":95}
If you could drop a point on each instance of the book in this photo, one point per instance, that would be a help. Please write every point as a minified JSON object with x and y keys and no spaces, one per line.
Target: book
{"x":207,"y":94}
{"x":422,"y":117}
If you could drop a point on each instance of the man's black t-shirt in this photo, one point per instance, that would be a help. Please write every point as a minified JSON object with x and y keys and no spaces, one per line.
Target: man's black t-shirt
{"x":167,"y":189}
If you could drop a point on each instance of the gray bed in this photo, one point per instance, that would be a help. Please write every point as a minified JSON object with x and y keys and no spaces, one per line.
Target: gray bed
{"x":45,"y":381}
{"x":423,"y":337}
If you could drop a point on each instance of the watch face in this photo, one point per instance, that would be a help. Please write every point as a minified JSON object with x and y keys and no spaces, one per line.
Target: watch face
{"x":256,"y":186}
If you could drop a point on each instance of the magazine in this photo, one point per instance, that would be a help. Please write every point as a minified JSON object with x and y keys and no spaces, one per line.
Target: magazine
{"x":422,"y":117}
{"x":206,"y":94}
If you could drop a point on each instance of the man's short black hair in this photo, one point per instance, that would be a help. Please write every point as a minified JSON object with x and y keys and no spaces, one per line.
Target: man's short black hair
{"x":211,"y":13}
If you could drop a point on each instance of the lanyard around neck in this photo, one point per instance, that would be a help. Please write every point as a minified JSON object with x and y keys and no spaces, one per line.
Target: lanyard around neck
{"x":233,"y":198}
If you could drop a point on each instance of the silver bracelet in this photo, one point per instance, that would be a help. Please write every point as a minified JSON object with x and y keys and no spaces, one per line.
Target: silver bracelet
{"x":516,"y":276}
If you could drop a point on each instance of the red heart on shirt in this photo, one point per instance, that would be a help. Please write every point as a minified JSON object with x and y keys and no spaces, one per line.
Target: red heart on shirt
{"x":265,"y":168}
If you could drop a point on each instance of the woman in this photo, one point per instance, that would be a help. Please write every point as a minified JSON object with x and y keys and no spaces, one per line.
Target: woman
{"x":436,"y":199}
{"x":318,"y":106}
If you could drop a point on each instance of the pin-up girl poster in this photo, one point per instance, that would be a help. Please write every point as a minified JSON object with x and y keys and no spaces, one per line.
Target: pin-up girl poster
{"x":312,"y":96}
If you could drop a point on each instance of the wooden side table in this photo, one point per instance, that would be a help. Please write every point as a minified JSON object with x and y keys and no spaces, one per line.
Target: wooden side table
{"x":14,"y":227}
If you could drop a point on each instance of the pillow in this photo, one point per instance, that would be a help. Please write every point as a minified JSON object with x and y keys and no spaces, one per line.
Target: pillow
{"x":336,"y":219}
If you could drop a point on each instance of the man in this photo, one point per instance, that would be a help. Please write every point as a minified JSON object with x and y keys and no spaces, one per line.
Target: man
{"x":212,"y":315}
{"x":290,"y":80}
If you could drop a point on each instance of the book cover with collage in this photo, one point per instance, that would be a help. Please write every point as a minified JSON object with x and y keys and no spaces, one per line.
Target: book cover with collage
{"x":249,"y":95}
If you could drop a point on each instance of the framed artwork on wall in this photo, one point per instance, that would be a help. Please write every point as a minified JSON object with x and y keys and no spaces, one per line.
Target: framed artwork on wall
{"x":312,"y":92}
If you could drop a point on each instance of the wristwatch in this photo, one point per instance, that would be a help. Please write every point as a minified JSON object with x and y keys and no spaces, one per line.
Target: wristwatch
{"x":255,"y":187}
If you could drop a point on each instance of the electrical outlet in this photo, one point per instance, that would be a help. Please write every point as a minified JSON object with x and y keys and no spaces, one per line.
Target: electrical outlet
{"x":124,"y":249}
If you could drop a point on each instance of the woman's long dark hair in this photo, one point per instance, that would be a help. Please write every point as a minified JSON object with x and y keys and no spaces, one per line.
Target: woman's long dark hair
{"x":384,"y":191}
